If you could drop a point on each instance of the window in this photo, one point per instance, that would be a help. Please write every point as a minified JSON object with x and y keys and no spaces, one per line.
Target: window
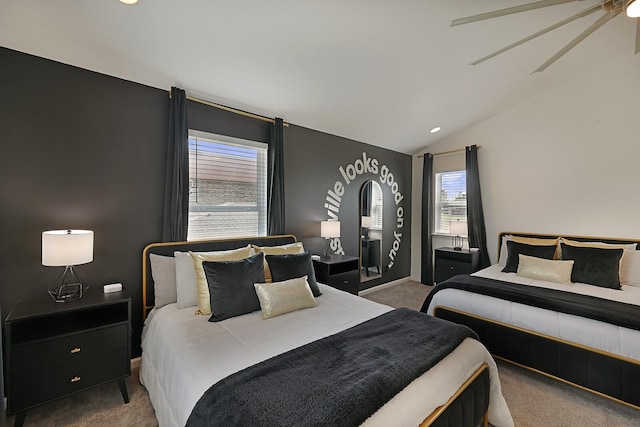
{"x":451,"y":199}
{"x":227,"y":187}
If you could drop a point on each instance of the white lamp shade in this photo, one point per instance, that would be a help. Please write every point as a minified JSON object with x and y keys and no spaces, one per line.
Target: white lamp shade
{"x":633,"y":9}
{"x":330,"y":228}
{"x":367,"y":221}
{"x":67,"y":247}
{"x":458,"y":228}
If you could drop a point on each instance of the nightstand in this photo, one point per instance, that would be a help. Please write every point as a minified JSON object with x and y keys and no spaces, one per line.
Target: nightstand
{"x":339,"y":271}
{"x":450,"y":262}
{"x":57,"y":349}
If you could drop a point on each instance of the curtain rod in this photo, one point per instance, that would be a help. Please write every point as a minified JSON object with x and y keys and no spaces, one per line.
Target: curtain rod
{"x":449,"y":152}
{"x":232,"y":110}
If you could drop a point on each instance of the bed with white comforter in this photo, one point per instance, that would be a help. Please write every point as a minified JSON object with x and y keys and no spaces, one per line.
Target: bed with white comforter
{"x":598,"y":355}
{"x":184,"y":354}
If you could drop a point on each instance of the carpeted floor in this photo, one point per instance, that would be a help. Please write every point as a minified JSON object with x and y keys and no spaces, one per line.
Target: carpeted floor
{"x":534,"y":400}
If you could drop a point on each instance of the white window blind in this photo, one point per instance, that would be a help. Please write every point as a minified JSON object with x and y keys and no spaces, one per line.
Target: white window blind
{"x":376,"y":206}
{"x":450,"y":199}
{"x":227,"y":187}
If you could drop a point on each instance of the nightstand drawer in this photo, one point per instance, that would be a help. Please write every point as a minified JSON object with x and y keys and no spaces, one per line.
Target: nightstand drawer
{"x":348,"y":281}
{"x":33,"y":358}
{"x":453,"y":267}
{"x":35,"y":389}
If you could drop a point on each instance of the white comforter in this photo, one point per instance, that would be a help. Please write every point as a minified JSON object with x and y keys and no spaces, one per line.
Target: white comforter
{"x":603,"y":336}
{"x":184,"y":354}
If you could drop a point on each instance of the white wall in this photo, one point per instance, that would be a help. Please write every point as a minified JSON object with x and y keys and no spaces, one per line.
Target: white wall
{"x":565,"y":161}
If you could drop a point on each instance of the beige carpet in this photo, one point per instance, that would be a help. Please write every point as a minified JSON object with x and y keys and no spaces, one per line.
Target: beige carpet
{"x":534,"y":400}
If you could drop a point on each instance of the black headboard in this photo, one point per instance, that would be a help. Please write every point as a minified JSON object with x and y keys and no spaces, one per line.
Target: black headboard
{"x":577,"y":238}
{"x":168,"y":248}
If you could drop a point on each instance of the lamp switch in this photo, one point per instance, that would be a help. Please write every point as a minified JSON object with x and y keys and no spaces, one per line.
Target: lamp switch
{"x":113,"y":287}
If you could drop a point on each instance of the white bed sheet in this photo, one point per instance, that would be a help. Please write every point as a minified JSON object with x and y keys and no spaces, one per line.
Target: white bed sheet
{"x":184,"y":354}
{"x":603,"y":336}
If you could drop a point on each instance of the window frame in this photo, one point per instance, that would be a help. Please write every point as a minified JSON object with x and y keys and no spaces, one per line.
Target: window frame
{"x":261,"y":184}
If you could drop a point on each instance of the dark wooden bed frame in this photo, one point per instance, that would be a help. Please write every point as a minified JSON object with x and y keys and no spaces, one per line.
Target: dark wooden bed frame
{"x":600,"y":372}
{"x":467,"y":407}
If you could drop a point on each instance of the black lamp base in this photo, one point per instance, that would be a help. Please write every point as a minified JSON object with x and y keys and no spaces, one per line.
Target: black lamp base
{"x":68,"y":286}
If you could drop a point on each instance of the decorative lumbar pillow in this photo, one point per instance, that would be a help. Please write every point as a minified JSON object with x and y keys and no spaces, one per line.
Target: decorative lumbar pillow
{"x":231,"y":286}
{"x":283,"y":297}
{"x":285,"y":267}
{"x":291,"y":248}
{"x":545,"y":269}
{"x":202,"y":288}
{"x":594,"y":266}
{"x":163,"y":272}
{"x":514,"y":249}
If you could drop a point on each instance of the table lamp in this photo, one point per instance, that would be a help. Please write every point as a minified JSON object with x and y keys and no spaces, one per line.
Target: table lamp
{"x":329,"y":229}
{"x":366,"y":224}
{"x":458,"y":229}
{"x":67,"y":248}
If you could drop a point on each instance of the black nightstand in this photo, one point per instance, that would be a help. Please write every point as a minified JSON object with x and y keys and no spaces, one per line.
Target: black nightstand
{"x":57,"y":349}
{"x":450,"y":262}
{"x":339,"y":271}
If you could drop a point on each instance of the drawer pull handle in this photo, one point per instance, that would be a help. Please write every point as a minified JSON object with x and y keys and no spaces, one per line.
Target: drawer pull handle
{"x":75,"y":350}
{"x":75,"y":379}
{"x":450,"y":268}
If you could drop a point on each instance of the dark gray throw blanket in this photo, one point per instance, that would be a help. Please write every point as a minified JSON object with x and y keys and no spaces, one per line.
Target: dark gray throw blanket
{"x":614,"y":312}
{"x":340,"y":380}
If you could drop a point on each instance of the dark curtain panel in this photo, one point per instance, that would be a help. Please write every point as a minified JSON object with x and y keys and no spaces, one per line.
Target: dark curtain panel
{"x":366,"y":198}
{"x":426,"y":274}
{"x":275,"y":179}
{"x":475,"y":215}
{"x":176,"y":185}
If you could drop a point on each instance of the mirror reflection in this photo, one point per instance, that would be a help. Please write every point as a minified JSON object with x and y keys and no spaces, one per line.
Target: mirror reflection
{"x":371,"y":231}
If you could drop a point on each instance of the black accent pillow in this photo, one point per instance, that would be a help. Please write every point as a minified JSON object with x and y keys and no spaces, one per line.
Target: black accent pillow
{"x":292,"y":266}
{"x":231,"y":290}
{"x":595,"y":266}
{"x":514,"y":249}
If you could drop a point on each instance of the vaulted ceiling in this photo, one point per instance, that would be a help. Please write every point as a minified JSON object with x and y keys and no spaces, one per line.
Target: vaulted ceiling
{"x":376,"y":71}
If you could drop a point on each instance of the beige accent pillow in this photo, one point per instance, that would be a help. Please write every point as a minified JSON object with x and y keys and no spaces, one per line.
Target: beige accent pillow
{"x":289,"y":249}
{"x":539,"y":241}
{"x":545,"y":269}
{"x":283,"y":297}
{"x":204,"y":304}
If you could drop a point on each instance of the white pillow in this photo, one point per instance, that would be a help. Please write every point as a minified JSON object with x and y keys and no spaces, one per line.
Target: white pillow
{"x":163,"y":272}
{"x":630,"y":268}
{"x":186,"y":288}
{"x":503,"y":250}
{"x":545,"y":269}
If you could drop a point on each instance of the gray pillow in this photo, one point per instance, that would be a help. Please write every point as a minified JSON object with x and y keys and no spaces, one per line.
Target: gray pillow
{"x":163,"y":272}
{"x":292,"y":266}
{"x":231,"y":286}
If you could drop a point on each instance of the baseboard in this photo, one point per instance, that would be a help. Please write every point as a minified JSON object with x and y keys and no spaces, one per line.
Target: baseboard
{"x":384,"y":286}
{"x":135,"y":363}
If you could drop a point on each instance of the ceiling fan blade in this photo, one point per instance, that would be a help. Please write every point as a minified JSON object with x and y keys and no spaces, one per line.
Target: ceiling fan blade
{"x":637,"y":35}
{"x":599,"y":23}
{"x":508,"y":11}
{"x":582,"y":14}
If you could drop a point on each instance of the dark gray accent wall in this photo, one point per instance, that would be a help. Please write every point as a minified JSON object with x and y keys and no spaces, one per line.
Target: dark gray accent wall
{"x":78,"y":149}
{"x":312,"y":167}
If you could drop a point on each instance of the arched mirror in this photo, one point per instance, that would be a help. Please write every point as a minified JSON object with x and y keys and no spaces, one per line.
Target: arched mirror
{"x":370,"y":231}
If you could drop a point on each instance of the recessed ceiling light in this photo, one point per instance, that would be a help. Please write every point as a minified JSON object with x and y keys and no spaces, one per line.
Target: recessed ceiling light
{"x":129,"y":1}
{"x":435,"y":129}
